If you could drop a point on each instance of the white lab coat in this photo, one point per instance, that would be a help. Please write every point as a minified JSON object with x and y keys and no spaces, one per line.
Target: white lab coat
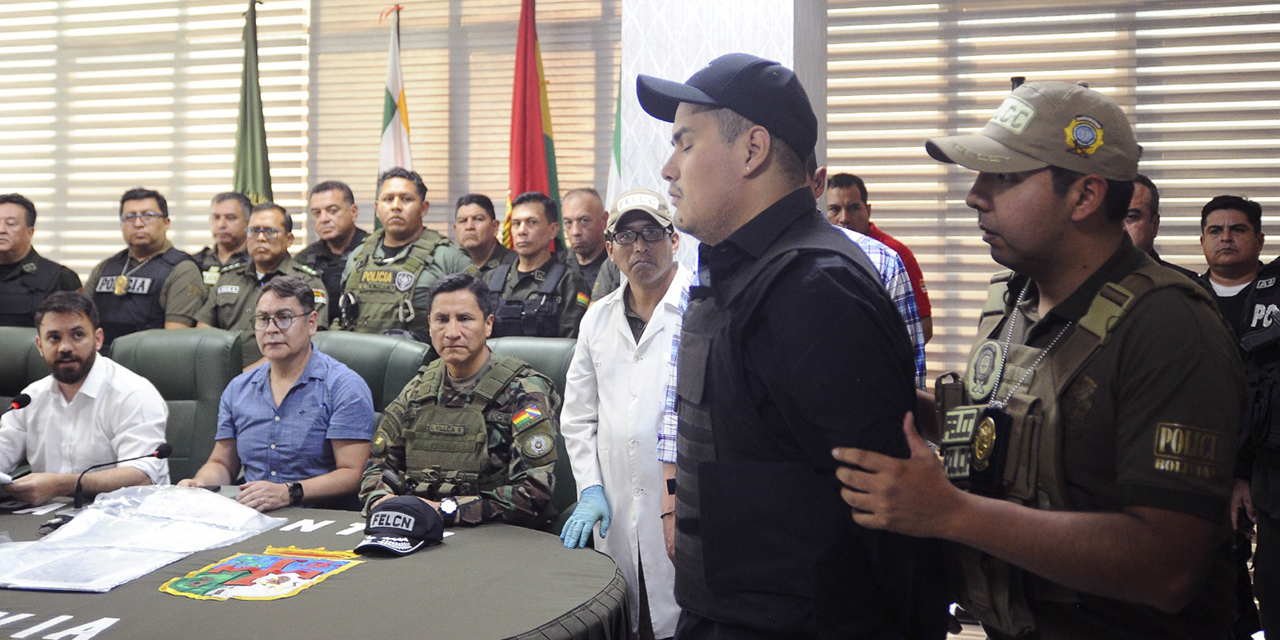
{"x":613,"y":406}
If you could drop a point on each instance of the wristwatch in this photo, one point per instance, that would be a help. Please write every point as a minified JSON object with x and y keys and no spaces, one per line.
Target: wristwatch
{"x":295,"y":494}
{"x":449,"y":510}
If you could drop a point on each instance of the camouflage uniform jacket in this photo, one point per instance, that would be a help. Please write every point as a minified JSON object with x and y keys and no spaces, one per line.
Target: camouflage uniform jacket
{"x":517,"y":478}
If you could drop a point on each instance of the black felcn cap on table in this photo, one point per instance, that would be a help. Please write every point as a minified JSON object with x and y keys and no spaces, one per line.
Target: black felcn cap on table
{"x":400,"y":526}
{"x":759,"y":90}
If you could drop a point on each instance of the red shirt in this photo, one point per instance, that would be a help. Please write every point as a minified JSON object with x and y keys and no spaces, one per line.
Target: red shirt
{"x":913,"y":269}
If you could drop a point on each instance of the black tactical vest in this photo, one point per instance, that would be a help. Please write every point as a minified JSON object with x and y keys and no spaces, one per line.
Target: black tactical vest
{"x":25,"y":289}
{"x":710,"y":365}
{"x":139,"y":308}
{"x":537,"y":316}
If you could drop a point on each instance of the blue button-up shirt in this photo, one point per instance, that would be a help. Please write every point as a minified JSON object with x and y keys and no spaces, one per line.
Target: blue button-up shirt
{"x":291,"y":442}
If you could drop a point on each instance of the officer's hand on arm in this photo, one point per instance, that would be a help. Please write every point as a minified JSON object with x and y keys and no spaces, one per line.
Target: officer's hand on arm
{"x":1240,"y":497}
{"x":592,"y":507}
{"x":263,"y":496}
{"x":911,"y":496}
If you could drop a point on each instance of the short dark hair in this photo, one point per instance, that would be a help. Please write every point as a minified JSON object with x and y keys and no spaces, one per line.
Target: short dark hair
{"x":411,"y":176}
{"x":143,"y":193}
{"x":478,"y":199}
{"x":70,"y":302}
{"x":334,"y":185}
{"x":1115,"y":205}
{"x":292,"y":287}
{"x":21,"y":201}
{"x":245,"y":205}
{"x":284,"y":213}
{"x":1250,"y":209}
{"x":458,"y":282}
{"x":847,"y":181}
{"x":550,"y":210}
{"x":1151,"y":188}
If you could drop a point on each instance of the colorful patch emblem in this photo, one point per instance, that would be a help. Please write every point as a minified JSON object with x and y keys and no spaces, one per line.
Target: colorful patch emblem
{"x":321,"y":297}
{"x":1084,"y":135}
{"x":274,"y":574}
{"x":537,"y":445}
{"x":526,"y":415}
{"x":583,"y":299}
{"x":404,"y":280}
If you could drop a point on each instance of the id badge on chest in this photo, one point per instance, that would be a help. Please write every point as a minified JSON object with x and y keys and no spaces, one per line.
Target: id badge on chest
{"x":974,"y":446}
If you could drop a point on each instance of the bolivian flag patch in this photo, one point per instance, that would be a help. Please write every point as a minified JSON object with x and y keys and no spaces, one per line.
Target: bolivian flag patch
{"x":583,"y":299}
{"x":526,"y":415}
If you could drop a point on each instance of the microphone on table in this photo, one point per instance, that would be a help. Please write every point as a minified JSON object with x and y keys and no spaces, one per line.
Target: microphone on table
{"x":163,"y":451}
{"x":20,"y":401}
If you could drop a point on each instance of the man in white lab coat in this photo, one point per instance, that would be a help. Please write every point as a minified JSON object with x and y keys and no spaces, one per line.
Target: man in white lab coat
{"x":613,"y":408}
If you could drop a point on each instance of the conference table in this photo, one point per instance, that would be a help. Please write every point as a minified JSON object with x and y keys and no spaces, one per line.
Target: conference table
{"x":490,"y":581}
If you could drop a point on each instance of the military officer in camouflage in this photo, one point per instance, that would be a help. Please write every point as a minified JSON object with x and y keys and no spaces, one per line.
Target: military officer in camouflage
{"x":388,"y":277}
{"x":539,"y":295}
{"x":228,"y":218}
{"x":425,"y":443}
{"x":234,"y":296}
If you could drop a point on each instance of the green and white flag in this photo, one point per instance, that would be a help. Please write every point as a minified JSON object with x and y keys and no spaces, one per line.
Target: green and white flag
{"x":614,"y":187}
{"x":395,"y":115}
{"x":252,"y":173}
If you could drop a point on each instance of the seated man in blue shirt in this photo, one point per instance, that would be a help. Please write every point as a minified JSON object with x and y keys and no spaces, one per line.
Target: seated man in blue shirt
{"x":301,"y":425}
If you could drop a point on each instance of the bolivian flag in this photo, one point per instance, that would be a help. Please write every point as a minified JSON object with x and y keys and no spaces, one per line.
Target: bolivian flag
{"x":533,"y":154}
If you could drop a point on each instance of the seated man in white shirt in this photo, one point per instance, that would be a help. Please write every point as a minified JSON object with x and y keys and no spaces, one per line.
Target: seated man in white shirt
{"x":613,"y":408}
{"x":89,"y":411}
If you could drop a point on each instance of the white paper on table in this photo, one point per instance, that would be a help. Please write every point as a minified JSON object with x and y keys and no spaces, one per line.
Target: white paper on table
{"x":126,"y":534}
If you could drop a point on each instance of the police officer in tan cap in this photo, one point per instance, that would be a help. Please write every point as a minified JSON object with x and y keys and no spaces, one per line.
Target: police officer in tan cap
{"x":1087,"y":452}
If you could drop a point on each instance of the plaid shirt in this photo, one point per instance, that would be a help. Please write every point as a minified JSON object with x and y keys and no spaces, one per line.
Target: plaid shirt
{"x":892,"y":274}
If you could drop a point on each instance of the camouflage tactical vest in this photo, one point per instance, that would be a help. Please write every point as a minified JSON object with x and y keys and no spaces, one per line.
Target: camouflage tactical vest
{"x":446,"y":448}
{"x":383,"y":287}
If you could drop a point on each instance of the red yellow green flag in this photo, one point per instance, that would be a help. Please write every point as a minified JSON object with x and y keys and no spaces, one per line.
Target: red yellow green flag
{"x":533,"y":154}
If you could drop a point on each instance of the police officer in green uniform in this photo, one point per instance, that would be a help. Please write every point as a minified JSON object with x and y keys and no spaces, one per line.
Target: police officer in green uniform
{"x":334,"y":212}
{"x":228,"y":218}
{"x":25,"y":277}
{"x":233,"y":299}
{"x":389,"y":275}
{"x":149,"y":285}
{"x":472,"y":435}
{"x":538,"y":295}
{"x":476,"y":225}
{"x":1087,"y":453}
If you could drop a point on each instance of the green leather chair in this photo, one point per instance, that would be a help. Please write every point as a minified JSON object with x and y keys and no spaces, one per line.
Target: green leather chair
{"x":386,"y":363}
{"x":190,"y":368}
{"x":551,"y":358}
{"x":22,"y":363}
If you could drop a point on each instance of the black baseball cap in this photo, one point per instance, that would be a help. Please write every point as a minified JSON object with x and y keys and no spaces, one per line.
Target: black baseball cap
{"x":400,"y":526}
{"x":759,"y":90}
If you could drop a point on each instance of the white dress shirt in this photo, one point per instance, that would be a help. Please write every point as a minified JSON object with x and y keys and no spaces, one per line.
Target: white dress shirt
{"x":612,"y":410}
{"x":115,"y":414}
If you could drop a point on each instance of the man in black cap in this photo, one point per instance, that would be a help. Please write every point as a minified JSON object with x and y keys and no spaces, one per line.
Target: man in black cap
{"x":763,"y":543}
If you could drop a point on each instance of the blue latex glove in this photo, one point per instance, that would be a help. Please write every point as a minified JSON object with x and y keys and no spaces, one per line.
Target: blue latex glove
{"x":592,"y":507}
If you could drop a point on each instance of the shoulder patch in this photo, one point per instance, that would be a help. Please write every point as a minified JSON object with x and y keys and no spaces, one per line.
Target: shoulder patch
{"x":1191,"y":451}
{"x":526,"y":416}
{"x":537,"y":446}
{"x":321,"y":296}
{"x":583,"y":299}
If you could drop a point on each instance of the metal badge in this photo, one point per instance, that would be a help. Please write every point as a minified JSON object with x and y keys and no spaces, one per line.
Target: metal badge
{"x":980,"y":378}
{"x":121,"y":285}
{"x":984,"y":441}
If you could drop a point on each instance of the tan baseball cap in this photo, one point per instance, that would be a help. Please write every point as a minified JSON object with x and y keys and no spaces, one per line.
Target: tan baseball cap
{"x":1048,"y":123}
{"x":639,"y":200}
